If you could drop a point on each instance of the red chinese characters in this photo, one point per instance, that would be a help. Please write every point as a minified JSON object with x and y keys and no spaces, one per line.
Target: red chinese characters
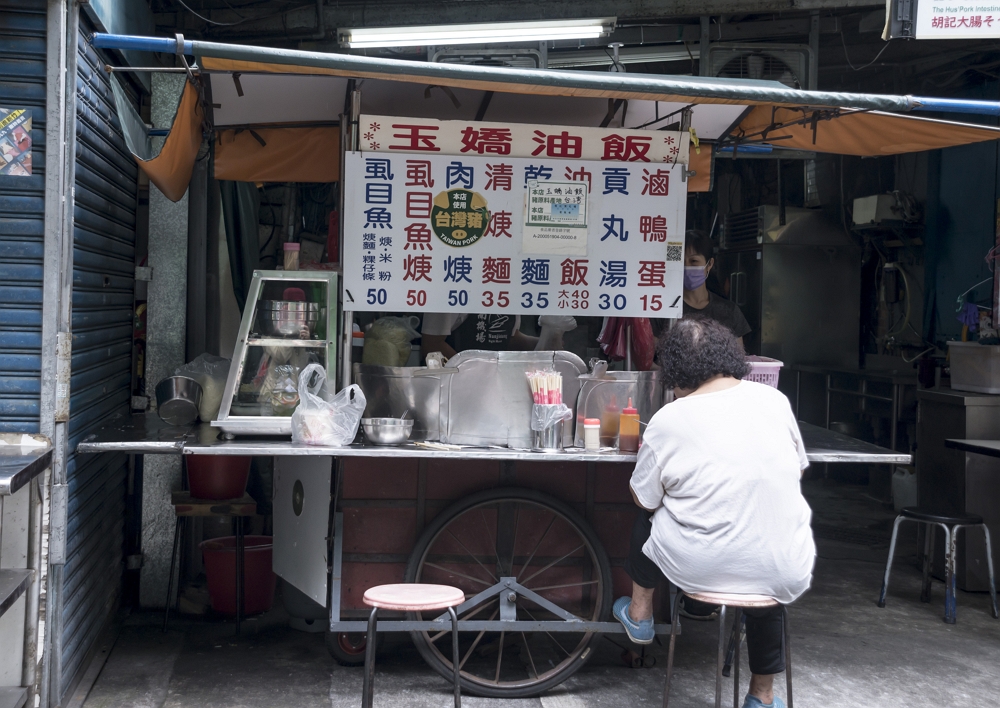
{"x":574,"y":272}
{"x":487,"y":141}
{"x":418,"y":236}
{"x":656,"y":184}
{"x":499,"y":177}
{"x":500,"y":225}
{"x":631,"y":148}
{"x":418,"y":205}
{"x":652,"y":274}
{"x":653,"y":228}
{"x":496,"y":270}
{"x":417,"y":268}
{"x":418,"y":173}
{"x":422,"y":138}
{"x":562,"y":145}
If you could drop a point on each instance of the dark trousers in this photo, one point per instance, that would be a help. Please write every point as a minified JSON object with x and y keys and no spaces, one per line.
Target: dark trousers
{"x":765,"y":638}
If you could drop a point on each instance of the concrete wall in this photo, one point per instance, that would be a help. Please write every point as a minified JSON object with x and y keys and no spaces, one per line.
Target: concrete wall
{"x":165,"y":339}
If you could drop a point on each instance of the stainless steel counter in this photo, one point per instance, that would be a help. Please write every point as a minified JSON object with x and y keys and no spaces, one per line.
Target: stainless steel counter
{"x":19,"y":465}
{"x":148,"y":434}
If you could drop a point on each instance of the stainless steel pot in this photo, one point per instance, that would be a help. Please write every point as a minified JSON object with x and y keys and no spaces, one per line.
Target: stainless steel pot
{"x":287,"y":318}
{"x":178,"y":399}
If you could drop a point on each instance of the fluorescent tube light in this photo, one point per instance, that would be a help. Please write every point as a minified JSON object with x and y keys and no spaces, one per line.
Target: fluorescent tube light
{"x":479,"y":33}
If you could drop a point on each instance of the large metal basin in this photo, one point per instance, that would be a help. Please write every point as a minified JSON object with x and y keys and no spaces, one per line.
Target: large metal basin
{"x":488,"y":400}
{"x":604,"y":397}
{"x":392,"y":390}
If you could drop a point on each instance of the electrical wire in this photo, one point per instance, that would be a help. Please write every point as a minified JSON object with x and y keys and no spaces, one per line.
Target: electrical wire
{"x":848,"y":58}
{"x":211,"y":22}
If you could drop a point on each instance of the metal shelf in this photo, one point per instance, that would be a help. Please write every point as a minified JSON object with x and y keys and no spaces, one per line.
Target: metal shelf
{"x":261,"y":342}
{"x":13,"y":583}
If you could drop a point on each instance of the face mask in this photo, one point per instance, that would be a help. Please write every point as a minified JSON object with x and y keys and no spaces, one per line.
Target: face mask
{"x":694,"y":277}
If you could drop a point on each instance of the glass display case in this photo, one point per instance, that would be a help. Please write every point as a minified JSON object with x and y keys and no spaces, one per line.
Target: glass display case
{"x":289,"y":322}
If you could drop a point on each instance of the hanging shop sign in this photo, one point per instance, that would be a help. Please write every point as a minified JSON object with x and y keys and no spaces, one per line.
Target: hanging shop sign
{"x":15,"y":142}
{"x":946,"y":20}
{"x":455,"y":137}
{"x":493,"y":234}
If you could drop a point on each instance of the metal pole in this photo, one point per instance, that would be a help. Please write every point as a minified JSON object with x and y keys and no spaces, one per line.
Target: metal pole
{"x":704,"y":65}
{"x":814,"y":50}
{"x":348,"y":324}
{"x":197,"y":259}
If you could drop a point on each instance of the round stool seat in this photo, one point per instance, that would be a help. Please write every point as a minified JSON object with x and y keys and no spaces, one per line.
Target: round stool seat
{"x":731,"y":599}
{"x":413,"y":597}
{"x":912,"y":512}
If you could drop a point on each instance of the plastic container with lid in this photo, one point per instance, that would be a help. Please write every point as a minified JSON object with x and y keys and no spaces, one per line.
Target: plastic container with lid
{"x":592,"y":434}
{"x":628,"y":429}
{"x":291,"y":250}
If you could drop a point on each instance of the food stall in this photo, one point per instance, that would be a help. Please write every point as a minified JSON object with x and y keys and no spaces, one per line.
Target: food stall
{"x":506,"y":218}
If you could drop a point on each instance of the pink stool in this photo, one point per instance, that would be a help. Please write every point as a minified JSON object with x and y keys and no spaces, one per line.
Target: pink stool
{"x":739,"y":602}
{"x":410,"y":597}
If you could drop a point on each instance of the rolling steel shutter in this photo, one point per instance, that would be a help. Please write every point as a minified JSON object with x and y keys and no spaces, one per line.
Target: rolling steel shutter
{"x":22,"y":211}
{"x":104,"y":217}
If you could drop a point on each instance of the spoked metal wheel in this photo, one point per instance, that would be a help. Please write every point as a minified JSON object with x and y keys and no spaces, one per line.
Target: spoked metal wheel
{"x":551,"y":551}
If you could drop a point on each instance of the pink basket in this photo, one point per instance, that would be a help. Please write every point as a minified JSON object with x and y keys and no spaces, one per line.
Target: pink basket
{"x":764,"y":370}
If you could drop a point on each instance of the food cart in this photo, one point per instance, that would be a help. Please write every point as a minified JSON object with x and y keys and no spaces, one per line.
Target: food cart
{"x":535,"y":539}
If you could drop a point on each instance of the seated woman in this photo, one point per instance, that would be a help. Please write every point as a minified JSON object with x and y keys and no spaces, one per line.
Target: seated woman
{"x":717,"y":479}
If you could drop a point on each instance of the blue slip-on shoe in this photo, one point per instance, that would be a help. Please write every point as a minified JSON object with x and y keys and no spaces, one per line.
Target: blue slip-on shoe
{"x":639,"y":632}
{"x":754,"y":702}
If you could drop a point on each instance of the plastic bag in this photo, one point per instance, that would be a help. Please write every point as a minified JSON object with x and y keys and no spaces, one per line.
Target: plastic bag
{"x":320,"y":420}
{"x":387,"y":341}
{"x":614,"y":340}
{"x":643,"y":344}
{"x":544,"y":416}
{"x":210,"y":372}
{"x":552,"y":329}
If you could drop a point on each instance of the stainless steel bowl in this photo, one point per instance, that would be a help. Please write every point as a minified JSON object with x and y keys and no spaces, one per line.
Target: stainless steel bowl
{"x":178,"y":399}
{"x":387,"y":431}
{"x":287,"y":318}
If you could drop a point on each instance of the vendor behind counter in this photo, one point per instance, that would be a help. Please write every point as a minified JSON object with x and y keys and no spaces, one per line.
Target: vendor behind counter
{"x":450,"y":333}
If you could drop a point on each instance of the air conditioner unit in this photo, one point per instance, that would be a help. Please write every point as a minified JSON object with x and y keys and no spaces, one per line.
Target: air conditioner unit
{"x":787,"y":63}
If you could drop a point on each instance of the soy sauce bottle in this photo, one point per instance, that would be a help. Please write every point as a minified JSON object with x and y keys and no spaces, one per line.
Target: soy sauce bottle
{"x":628,"y":429}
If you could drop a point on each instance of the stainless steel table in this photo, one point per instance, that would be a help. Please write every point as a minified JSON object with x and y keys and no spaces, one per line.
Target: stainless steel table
{"x":147,"y":434}
{"x":990,"y":448}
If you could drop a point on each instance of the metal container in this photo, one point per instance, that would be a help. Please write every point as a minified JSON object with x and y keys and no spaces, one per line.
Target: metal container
{"x":550,"y":439}
{"x":488,"y":400}
{"x":178,"y":399}
{"x":387,"y":431}
{"x":605,"y":396}
{"x":287,"y":318}
{"x":392,"y":390}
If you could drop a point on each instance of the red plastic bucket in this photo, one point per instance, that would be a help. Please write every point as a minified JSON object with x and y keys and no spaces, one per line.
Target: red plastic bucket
{"x":258,"y":578}
{"x":217,"y":476}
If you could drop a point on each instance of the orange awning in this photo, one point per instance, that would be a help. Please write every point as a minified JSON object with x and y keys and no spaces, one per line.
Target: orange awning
{"x":278,"y":154}
{"x":171,"y":170}
{"x":860,"y":133}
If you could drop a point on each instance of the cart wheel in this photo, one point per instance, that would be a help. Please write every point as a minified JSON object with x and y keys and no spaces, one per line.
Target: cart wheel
{"x":348,"y":648}
{"x":551,"y":550}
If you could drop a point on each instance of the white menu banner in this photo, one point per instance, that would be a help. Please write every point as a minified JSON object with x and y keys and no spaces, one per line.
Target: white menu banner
{"x":466,"y":137}
{"x":957,"y":20}
{"x":447,"y":234}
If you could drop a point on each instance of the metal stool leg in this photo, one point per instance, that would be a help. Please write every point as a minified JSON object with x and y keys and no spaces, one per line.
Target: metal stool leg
{"x":734,"y":648}
{"x":674,"y":617}
{"x":368,"y":689}
{"x":735,"y":639}
{"x":888,"y":562}
{"x":722,"y":656}
{"x":989,"y":565}
{"x":788,"y":655}
{"x":925,"y":590}
{"x":173,"y":562}
{"x":239,"y":573}
{"x":949,"y":573}
{"x":456,"y":658}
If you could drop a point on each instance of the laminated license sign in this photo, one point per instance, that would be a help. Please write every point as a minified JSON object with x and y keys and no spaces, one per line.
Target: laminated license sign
{"x":493,"y":234}
{"x":957,"y":20}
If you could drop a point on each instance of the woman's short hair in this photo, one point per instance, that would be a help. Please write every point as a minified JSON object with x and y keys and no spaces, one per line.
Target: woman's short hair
{"x":698,"y":348}
{"x":700,"y":243}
